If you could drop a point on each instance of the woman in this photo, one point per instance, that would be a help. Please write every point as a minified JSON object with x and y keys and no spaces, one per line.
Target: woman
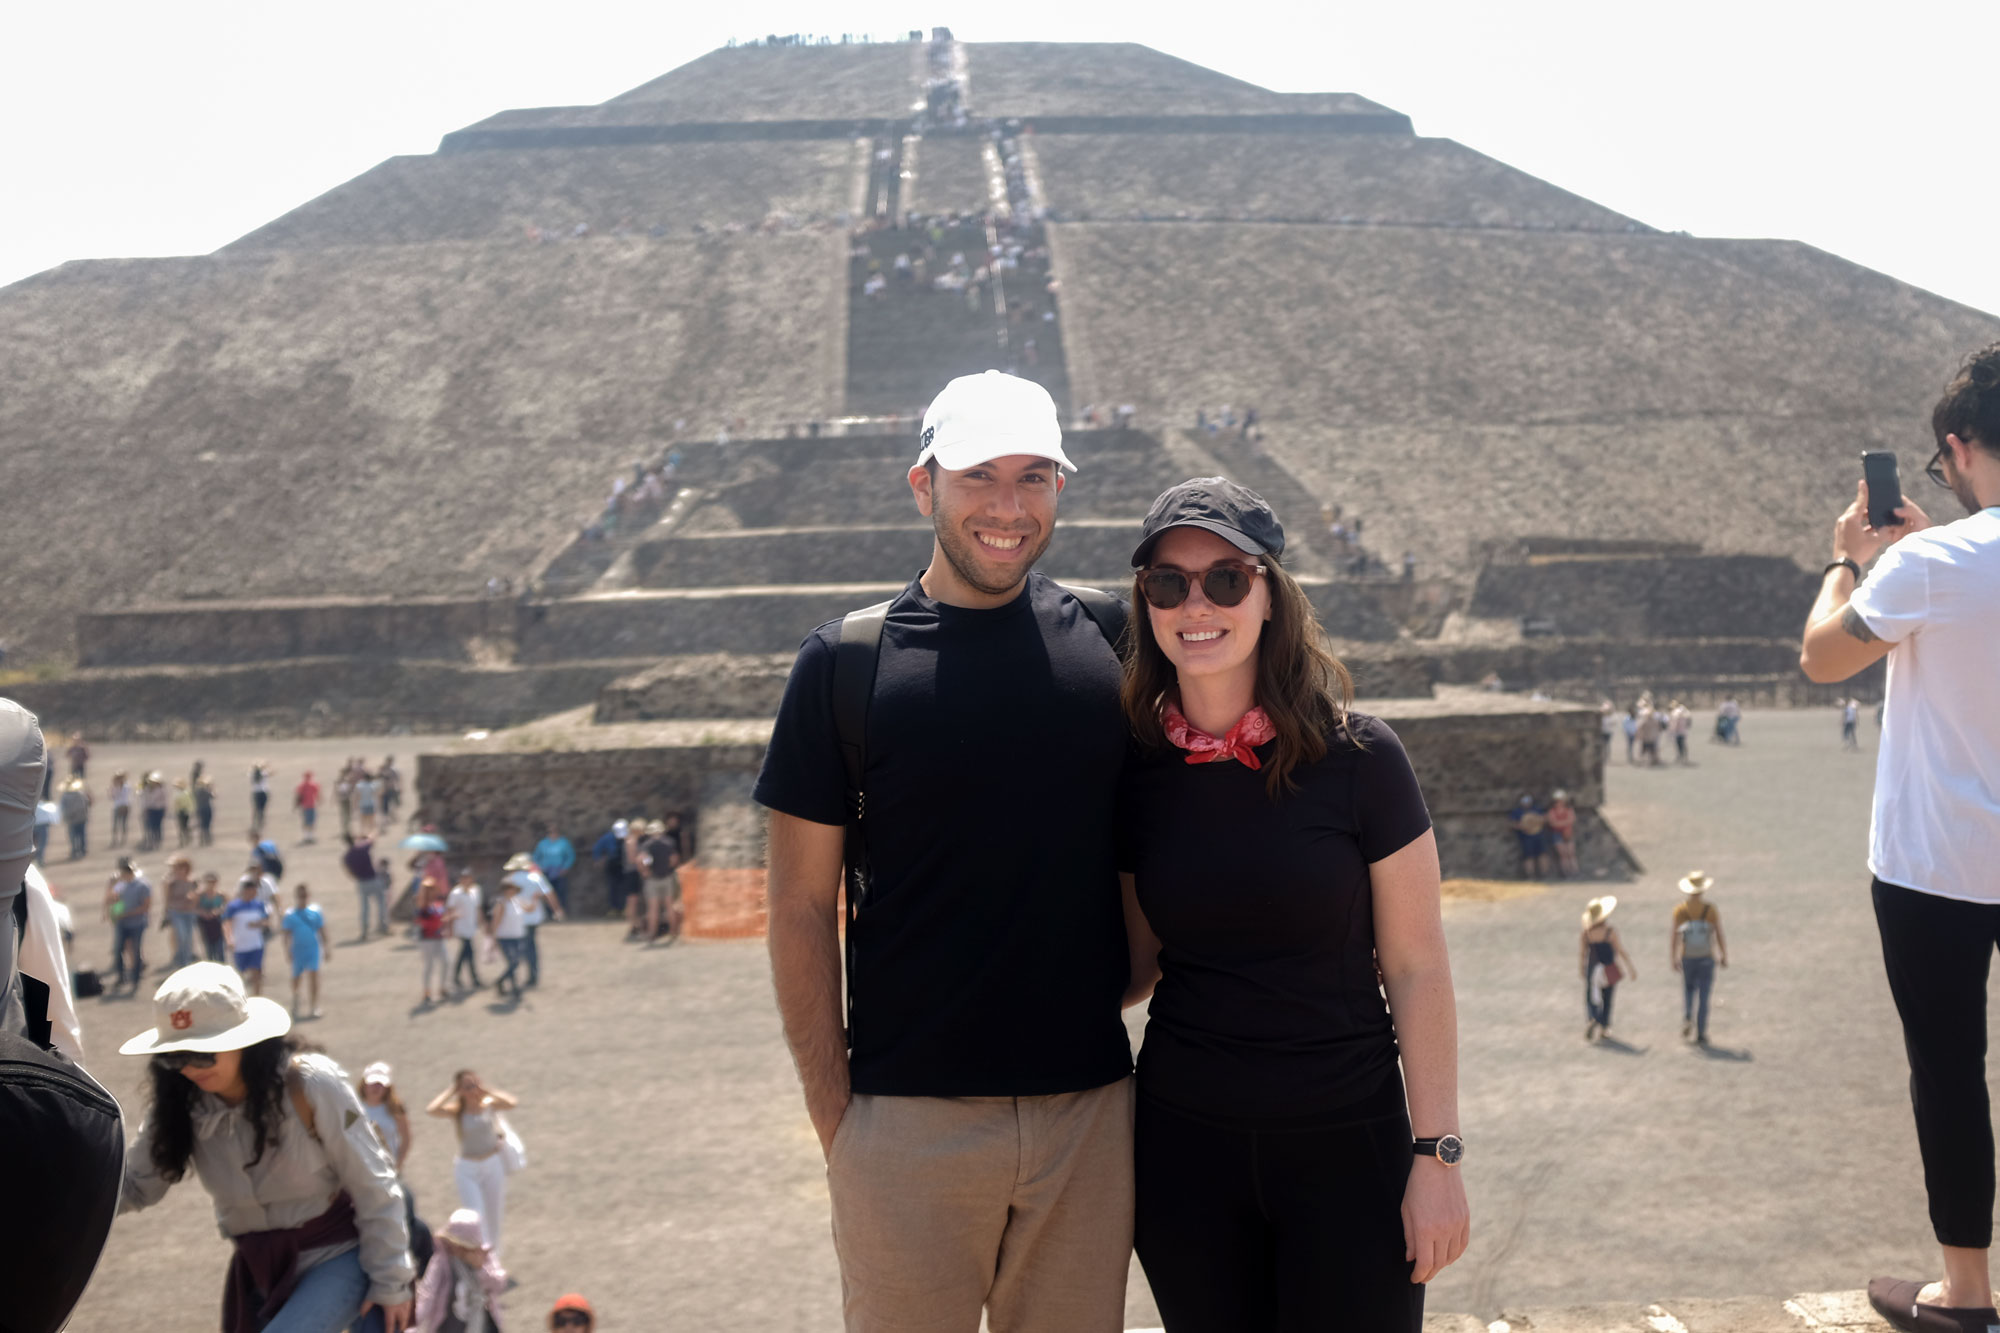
{"x":510,"y":932}
{"x":1562,"y":832}
{"x":463,"y":1284}
{"x":182,"y":913}
{"x":204,"y":810}
{"x":299,"y":1181}
{"x":154,"y":799}
{"x":433,"y":924}
{"x":260,"y":795}
{"x":1278,"y":852}
{"x":183,"y":812}
{"x":385,"y":1111}
{"x":208,"y":905}
{"x":481,"y":1174}
{"x":1604,"y":963}
{"x":121,"y":807}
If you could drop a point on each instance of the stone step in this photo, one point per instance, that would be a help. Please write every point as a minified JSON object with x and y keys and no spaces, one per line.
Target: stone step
{"x":1825,"y":1311}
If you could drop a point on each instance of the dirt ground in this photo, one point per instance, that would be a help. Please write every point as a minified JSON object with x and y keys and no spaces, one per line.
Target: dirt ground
{"x":673,"y":1176}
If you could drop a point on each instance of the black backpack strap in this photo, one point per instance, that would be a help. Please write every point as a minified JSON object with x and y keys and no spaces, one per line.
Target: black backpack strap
{"x":854,"y":661}
{"x":1106,"y":611}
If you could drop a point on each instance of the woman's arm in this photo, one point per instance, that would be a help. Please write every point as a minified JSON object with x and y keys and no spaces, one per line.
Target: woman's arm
{"x":144,"y":1186}
{"x":506,"y":1101}
{"x":1721,"y":945}
{"x":1583,"y":955}
{"x":402,"y":1119}
{"x":1143,"y":944}
{"x":1416,"y":975}
{"x":1674,"y":945}
{"x":1618,"y":946}
{"x":445,"y":1104}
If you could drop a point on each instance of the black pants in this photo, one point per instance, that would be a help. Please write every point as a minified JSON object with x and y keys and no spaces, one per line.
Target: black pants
{"x":1261,"y":1231}
{"x":1937,"y":952}
{"x":465,"y":963}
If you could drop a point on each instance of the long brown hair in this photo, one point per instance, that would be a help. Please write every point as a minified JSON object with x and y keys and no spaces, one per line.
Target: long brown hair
{"x":1301,"y":686}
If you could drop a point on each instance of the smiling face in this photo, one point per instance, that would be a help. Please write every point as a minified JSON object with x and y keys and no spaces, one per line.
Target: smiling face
{"x":1200,"y":638}
{"x":992,"y":521}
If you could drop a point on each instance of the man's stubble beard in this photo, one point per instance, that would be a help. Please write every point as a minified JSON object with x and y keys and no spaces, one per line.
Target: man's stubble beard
{"x":962,"y":555}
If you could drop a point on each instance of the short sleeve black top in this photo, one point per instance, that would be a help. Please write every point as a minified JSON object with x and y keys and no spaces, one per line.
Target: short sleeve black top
{"x":1268,"y":1006}
{"x":989,"y":957}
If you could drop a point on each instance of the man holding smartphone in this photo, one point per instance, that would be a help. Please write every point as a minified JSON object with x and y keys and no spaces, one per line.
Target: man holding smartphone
{"x":1931,"y":605}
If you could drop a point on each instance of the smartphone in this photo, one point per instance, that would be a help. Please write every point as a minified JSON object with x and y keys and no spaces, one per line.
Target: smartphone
{"x":1885,"y":492}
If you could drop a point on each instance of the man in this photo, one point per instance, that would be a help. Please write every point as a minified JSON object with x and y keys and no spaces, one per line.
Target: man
{"x":305,"y":799}
{"x":306,"y":943}
{"x":467,"y":912}
{"x":1931,"y":605}
{"x":1680,"y":721}
{"x":980,"y":1092}
{"x":1530,"y":824}
{"x":371,"y":880}
{"x":264,"y":854}
{"x":1695,"y":948}
{"x":128,"y":905}
{"x":609,"y":854}
{"x":662,"y":852}
{"x":74,"y":805}
{"x":246,"y":924}
{"x":537,"y":902}
{"x":555,"y":857}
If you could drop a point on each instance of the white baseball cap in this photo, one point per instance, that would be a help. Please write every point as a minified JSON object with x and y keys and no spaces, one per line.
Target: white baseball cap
{"x":978,"y":418}
{"x":202,"y":1007}
{"x":377,"y":1073}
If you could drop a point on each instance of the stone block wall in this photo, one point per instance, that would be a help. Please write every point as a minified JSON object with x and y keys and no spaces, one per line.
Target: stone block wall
{"x":1094,"y":549}
{"x":1707,"y":596}
{"x":665,"y":624}
{"x":432,"y":628}
{"x":704,"y":686}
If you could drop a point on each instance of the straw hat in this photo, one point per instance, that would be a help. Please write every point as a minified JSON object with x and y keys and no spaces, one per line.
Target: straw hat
{"x":1696,"y":882}
{"x":1598,"y":908}
{"x":465,"y":1228}
{"x":656,"y":827}
{"x":202,"y":1007}
{"x":518,"y":861}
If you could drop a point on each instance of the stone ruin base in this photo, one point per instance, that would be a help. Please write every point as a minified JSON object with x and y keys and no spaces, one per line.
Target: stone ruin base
{"x":1474,"y":752}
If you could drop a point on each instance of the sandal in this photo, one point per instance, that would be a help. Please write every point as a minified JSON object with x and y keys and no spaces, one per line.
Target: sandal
{"x":1896,"y":1301}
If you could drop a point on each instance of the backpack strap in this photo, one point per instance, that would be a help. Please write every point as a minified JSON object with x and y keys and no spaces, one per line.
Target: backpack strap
{"x":1104,"y":610}
{"x":855,"y":658}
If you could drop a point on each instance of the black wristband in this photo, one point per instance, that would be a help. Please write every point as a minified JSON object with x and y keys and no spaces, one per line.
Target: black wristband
{"x":1840,"y":563}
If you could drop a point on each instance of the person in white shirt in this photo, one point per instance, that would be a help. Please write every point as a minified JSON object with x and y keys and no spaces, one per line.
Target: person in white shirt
{"x":467,"y":912}
{"x":510,"y":932}
{"x":1931,"y":605}
{"x":538,"y":905}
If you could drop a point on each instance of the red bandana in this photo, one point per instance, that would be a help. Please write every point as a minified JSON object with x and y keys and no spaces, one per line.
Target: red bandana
{"x":1253,"y":728}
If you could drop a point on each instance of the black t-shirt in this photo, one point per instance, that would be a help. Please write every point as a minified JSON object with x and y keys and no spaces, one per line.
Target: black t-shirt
{"x":662,"y":852}
{"x":1268,"y":1007}
{"x":989,"y":957}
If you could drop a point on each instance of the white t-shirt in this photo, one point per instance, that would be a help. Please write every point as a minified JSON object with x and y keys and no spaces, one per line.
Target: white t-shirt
{"x":509,"y":921}
{"x":534,"y":911}
{"x":463,"y":904}
{"x":1935,"y":595}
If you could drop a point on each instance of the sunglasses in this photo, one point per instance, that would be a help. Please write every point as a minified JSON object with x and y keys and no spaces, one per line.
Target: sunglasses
{"x":569,"y":1319}
{"x":1225,"y":583}
{"x":179,"y":1060}
{"x":1935,"y":469}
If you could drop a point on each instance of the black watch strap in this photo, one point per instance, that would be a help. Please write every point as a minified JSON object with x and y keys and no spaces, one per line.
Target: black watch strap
{"x":1840,"y":563}
{"x":1448,"y":1148}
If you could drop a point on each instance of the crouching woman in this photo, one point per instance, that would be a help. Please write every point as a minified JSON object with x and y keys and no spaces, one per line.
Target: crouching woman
{"x":275,"y":1134}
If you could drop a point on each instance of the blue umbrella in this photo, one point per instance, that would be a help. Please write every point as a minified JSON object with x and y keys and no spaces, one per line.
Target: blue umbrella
{"x":425,"y":842}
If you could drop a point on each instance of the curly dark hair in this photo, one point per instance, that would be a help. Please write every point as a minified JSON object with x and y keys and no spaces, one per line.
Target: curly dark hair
{"x":1970,"y":408}
{"x":1301,"y":686}
{"x":172,"y":1111}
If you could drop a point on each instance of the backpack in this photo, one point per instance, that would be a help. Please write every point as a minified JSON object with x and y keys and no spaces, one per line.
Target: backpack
{"x":49,"y":1248}
{"x":274,"y":864}
{"x":1698,"y":936}
{"x":855,"y":658}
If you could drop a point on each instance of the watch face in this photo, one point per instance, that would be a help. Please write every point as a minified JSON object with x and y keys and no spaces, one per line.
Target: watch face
{"x":1451,"y":1149}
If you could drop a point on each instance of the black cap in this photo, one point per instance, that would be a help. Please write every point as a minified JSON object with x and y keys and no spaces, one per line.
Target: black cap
{"x":1234,"y":513}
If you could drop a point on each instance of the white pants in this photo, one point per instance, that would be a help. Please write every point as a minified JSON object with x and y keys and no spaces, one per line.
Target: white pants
{"x":482,"y":1185}
{"x":433,"y":951}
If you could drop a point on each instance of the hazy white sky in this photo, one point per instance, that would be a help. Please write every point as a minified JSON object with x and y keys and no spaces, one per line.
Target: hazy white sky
{"x":150,"y":129}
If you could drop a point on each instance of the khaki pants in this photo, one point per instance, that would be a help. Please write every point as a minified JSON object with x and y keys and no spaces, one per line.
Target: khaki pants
{"x":1022,"y":1206}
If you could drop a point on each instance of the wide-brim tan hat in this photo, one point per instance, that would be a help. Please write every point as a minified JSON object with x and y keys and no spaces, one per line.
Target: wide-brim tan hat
{"x":657,"y":827}
{"x":202,"y":1007}
{"x":1696,"y":882}
{"x":518,"y":861}
{"x":1597,"y":909}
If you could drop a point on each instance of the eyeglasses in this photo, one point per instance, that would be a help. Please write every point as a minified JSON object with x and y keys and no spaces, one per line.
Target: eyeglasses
{"x":1935,"y":469}
{"x":179,"y":1060}
{"x":1225,"y":583}
{"x":569,"y":1319}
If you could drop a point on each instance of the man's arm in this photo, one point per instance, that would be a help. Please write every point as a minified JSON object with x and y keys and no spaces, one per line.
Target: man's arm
{"x":1838,"y":643}
{"x":804,"y":940}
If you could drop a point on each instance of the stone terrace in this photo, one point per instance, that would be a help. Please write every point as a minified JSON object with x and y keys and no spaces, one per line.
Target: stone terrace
{"x":1522,"y":373}
{"x":759,"y":83}
{"x":1029,"y":80}
{"x":502,"y":193}
{"x":1354,"y":178}
{"x":375,"y":422}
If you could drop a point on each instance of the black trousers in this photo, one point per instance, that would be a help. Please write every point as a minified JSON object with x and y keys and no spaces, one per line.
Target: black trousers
{"x":1937,"y":952}
{"x":465,"y":963}
{"x":1263,"y":1231}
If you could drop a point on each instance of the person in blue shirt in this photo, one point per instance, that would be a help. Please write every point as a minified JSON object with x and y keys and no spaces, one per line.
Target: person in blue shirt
{"x":265,"y":853}
{"x":556,"y":858}
{"x":305,"y":944}
{"x":245,"y":922}
{"x":609,"y":852}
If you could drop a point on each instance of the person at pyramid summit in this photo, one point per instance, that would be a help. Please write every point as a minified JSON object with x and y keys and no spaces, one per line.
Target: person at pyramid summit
{"x":1297,"y":1135}
{"x":276,"y":1135}
{"x":973,"y":1097}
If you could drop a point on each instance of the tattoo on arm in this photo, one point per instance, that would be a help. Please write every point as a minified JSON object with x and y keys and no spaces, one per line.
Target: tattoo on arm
{"x":1851,"y":621}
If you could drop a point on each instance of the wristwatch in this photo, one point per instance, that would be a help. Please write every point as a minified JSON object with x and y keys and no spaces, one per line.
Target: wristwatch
{"x":1450,"y":1149}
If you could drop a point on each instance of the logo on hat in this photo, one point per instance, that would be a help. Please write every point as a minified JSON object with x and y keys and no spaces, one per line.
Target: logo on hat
{"x":182,"y":1019}
{"x":930,"y":433}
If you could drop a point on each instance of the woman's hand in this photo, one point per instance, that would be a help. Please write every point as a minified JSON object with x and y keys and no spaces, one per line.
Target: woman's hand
{"x":395,"y":1318}
{"x":1437,"y":1223}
